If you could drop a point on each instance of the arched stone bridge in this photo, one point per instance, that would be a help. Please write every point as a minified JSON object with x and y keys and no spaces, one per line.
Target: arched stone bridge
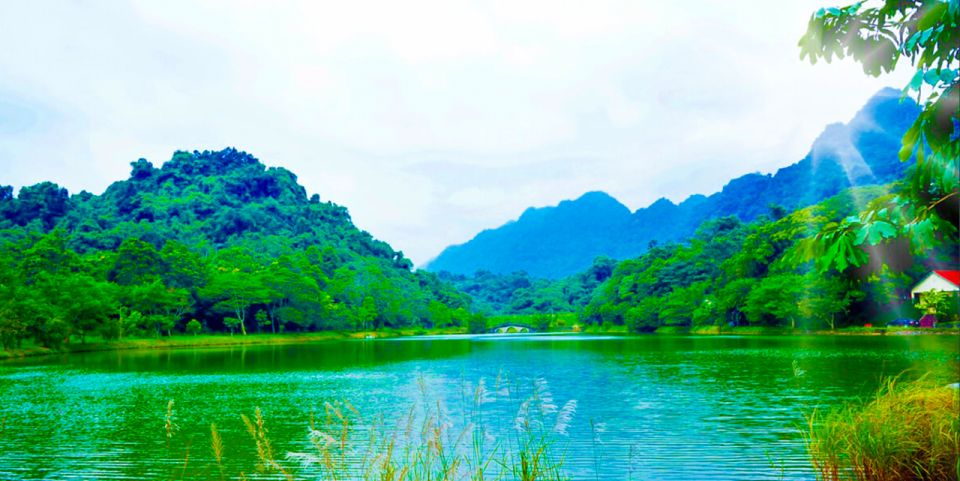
{"x":511,"y":328}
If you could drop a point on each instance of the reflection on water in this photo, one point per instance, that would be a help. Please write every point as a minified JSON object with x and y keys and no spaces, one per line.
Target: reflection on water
{"x":684,"y":408}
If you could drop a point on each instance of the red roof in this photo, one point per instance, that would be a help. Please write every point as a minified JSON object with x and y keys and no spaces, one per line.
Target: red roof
{"x":952,"y":276}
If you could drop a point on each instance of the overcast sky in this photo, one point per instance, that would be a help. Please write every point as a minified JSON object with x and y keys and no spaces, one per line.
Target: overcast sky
{"x":430,"y":121}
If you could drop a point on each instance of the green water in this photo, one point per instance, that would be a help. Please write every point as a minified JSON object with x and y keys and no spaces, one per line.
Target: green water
{"x":682,"y":408}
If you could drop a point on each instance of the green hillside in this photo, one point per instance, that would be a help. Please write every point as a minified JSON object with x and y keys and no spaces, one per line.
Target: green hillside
{"x":215,"y":237}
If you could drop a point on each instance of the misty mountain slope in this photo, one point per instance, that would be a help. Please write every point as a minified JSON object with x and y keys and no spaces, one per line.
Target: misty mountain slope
{"x":558,"y":241}
{"x":562,"y":238}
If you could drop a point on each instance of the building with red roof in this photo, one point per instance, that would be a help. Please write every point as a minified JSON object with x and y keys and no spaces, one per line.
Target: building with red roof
{"x":946,"y":281}
{"x":943,"y":281}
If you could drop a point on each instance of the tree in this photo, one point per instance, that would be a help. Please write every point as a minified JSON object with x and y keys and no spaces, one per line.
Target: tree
{"x":194,"y":327}
{"x":13,"y":327}
{"x":184,"y":268}
{"x":775,"y":298}
{"x":439,"y":314}
{"x":137,"y":262}
{"x":83,"y":303}
{"x":294,"y":295}
{"x":232,"y":323}
{"x":731,"y":298}
{"x":48,"y":256}
{"x":160,"y":305}
{"x":706,"y":313}
{"x":476,"y":324}
{"x":925,"y":208}
{"x":680,"y":305}
{"x":130,"y":321}
{"x":934,"y":302}
{"x":45,"y":202}
{"x":366,"y":314}
{"x":236,"y":285}
{"x":644,"y":316}
{"x":262,"y":320}
{"x":161,"y":323}
{"x":825,"y":298}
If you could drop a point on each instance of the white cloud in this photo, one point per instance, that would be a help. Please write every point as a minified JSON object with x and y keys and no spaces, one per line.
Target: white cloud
{"x":429,"y":120}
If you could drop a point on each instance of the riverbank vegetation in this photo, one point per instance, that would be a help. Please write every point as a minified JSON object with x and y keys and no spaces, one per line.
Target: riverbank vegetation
{"x":908,"y":431}
{"x":30,"y":348}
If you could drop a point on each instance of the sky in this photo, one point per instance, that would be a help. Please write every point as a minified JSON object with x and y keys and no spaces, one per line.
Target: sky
{"x":429,"y":120}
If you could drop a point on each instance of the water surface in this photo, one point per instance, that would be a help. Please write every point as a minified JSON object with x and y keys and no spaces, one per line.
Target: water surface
{"x":654,"y":407}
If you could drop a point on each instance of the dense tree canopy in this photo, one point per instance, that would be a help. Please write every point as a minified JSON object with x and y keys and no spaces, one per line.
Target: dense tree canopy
{"x":210,"y":240}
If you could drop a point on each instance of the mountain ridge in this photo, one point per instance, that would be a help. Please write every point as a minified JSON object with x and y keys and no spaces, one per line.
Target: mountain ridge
{"x":862,"y":151}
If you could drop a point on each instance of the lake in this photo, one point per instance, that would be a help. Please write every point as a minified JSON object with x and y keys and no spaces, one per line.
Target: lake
{"x":650,"y":407}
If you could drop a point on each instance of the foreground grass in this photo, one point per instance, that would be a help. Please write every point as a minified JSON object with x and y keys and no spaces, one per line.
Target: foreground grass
{"x":423,"y":443}
{"x":908,"y":431}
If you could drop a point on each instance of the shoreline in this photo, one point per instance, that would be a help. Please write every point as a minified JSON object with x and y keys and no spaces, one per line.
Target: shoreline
{"x":217,"y":340}
{"x":224,"y":340}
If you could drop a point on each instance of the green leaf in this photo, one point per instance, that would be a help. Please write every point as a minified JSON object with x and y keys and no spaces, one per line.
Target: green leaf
{"x":947,"y":75}
{"x":909,"y":141}
{"x":911,"y":42}
{"x":861,"y":236}
{"x":834,"y":11}
{"x":841,"y":258}
{"x":932,"y":16}
{"x":924,"y":233}
{"x":881,"y":230}
{"x":905,"y":152}
{"x":917,"y":80}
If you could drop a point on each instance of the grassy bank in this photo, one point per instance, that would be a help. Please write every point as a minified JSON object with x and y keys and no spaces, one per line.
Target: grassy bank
{"x":221,"y":340}
{"x":217,"y":340}
{"x":908,"y":431}
{"x":786,"y":331}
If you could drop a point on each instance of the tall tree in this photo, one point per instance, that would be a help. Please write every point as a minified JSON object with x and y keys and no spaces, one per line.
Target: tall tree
{"x":236,"y":285}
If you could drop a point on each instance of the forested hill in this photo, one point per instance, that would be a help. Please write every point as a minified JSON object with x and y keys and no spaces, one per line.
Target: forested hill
{"x":203,"y":199}
{"x":214,"y":237}
{"x":558,"y":241}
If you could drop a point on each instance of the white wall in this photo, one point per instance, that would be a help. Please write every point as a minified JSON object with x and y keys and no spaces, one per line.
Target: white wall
{"x":933,"y":281}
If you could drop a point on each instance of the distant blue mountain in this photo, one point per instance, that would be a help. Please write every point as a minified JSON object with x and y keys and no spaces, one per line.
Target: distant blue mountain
{"x":558,"y":241}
